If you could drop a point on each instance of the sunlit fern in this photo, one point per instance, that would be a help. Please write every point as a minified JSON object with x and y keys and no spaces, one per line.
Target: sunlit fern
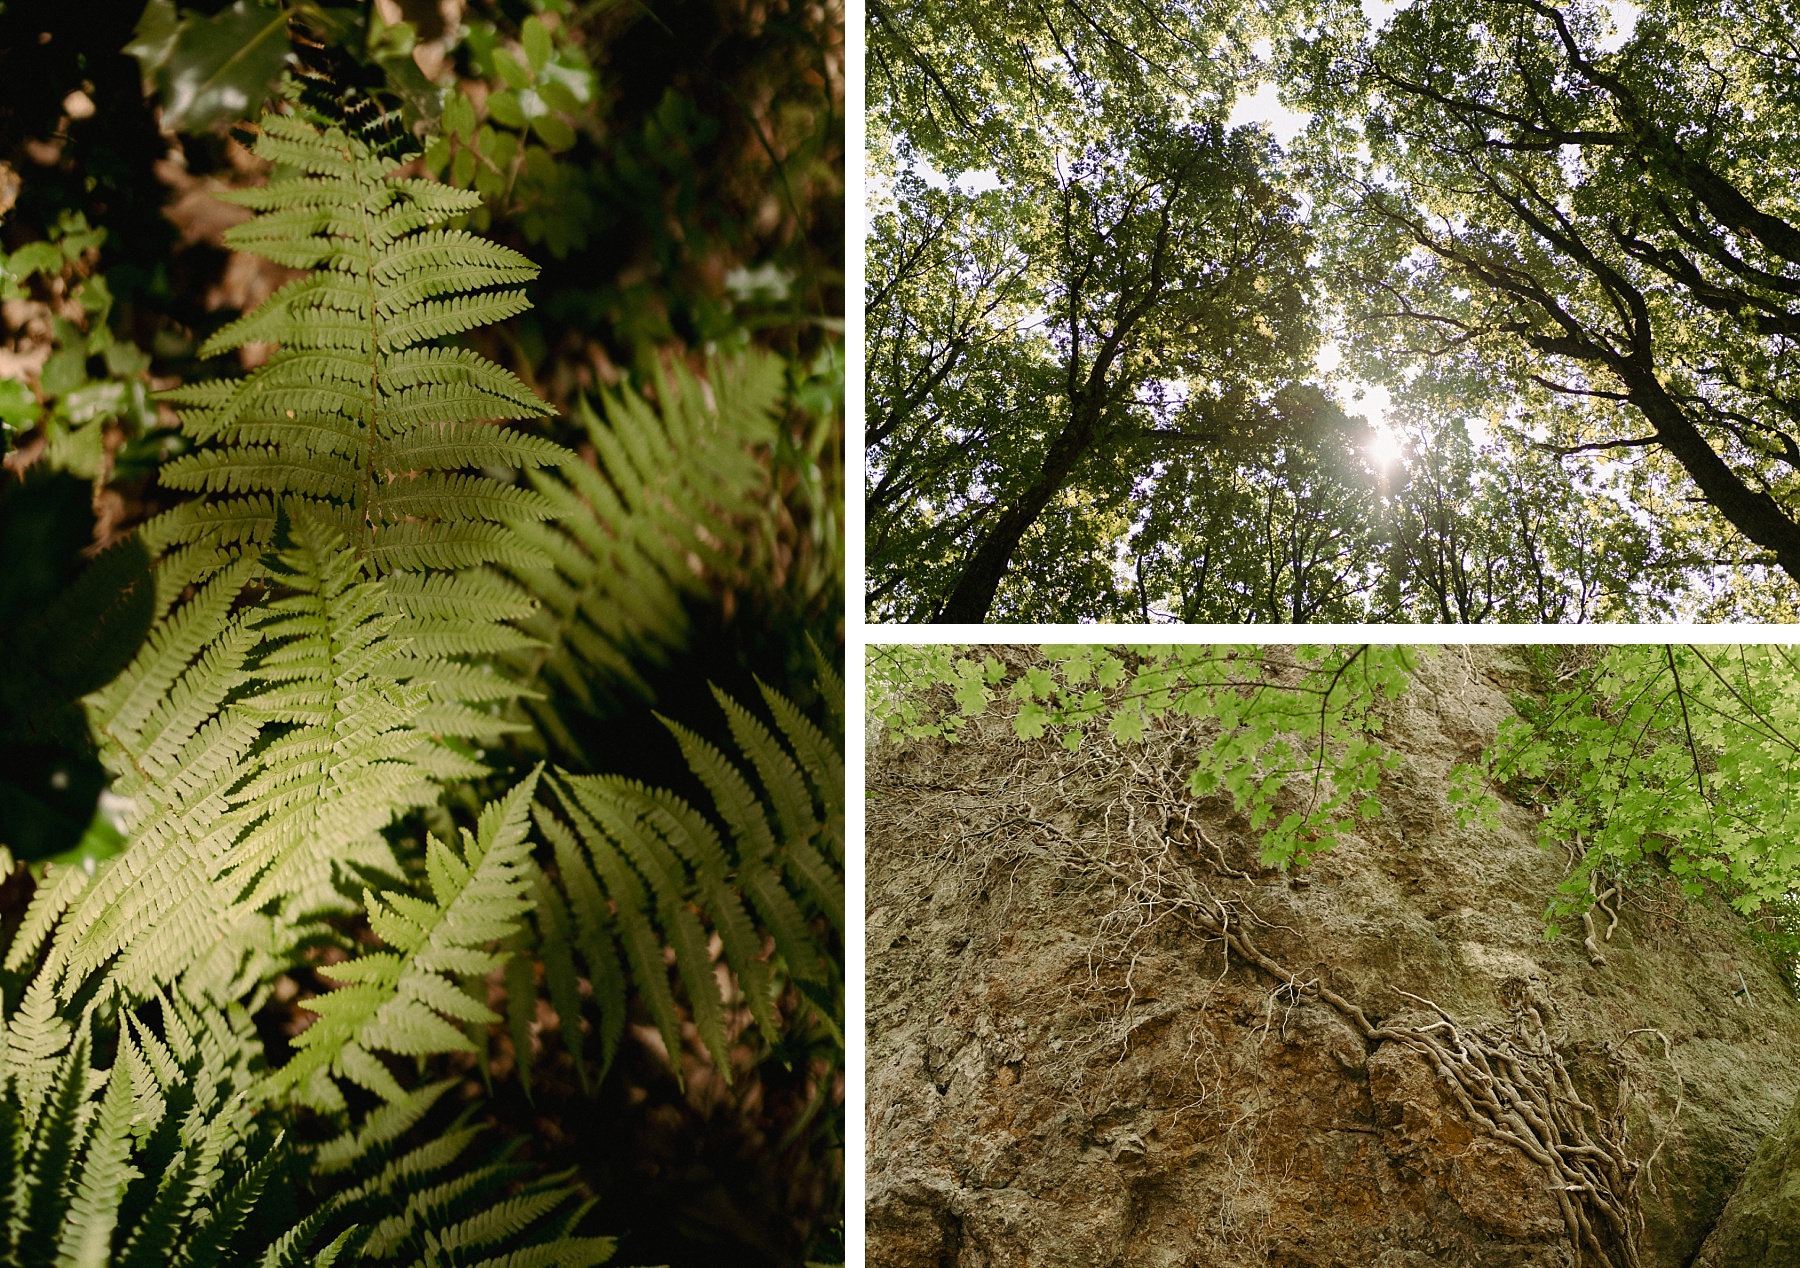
{"x":331,"y":607}
{"x":418,"y":996}
{"x":359,"y":417}
{"x":660,"y":517}
{"x":262,"y":748}
{"x":633,"y":869}
{"x":261,"y":745}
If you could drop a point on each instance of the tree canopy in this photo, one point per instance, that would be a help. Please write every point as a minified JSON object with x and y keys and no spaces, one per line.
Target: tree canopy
{"x":1116,"y":331}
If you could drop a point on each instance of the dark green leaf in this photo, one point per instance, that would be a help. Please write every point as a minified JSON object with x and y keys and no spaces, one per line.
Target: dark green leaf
{"x":223,"y":67}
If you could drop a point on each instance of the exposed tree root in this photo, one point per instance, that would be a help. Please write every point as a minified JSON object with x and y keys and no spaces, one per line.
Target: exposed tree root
{"x":1600,"y":899}
{"x":1515,"y":1086}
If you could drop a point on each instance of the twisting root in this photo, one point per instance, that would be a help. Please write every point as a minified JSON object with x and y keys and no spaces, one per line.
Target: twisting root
{"x":1517,"y":1089}
{"x":1600,"y":899}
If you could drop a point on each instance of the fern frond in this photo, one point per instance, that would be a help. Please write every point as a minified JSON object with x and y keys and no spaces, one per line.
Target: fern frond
{"x":822,"y":762}
{"x":184,"y":1162}
{"x":780,"y":777}
{"x":58,"y":888}
{"x":637,"y":868}
{"x":94,"y":1211}
{"x":436,"y":318}
{"x":555,"y":941}
{"x":593,"y":921}
{"x":632,"y":922}
{"x":659,"y":520}
{"x":519,"y":978}
{"x":37,"y":1037}
{"x":40,"y":1200}
{"x":277,"y":754}
{"x":336,"y":422}
{"x":427,"y":1205}
{"x":406,"y":1000}
{"x":171,"y":1165}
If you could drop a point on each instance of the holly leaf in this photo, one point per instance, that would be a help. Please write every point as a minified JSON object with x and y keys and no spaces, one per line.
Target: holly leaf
{"x":222,"y":67}
{"x":154,"y":38}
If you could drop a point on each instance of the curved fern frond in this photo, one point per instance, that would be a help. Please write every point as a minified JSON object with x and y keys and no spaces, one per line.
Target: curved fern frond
{"x":657,"y":520}
{"x":636,"y":868}
{"x":172,"y":1166}
{"x":410,"y":1000}
{"x":431,"y":1203}
{"x":181,"y":1162}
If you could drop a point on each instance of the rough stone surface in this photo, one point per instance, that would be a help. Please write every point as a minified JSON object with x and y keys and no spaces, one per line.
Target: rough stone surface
{"x":1053,"y":1081}
{"x":1761,"y":1224}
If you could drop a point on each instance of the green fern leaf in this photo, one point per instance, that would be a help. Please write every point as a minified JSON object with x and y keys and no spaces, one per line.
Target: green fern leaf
{"x":43,"y":1192}
{"x":660,"y":519}
{"x":731,"y":792}
{"x":521,"y":1011}
{"x":555,"y":946}
{"x":357,"y":420}
{"x":94,"y":1211}
{"x":593,"y":927}
{"x":831,"y":685}
{"x":37,"y":1036}
{"x":823,"y":763}
{"x":404,"y":1001}
{"x":169,"y":1167}
{"x":425,"y":1204}
{"x":641,"y":866}
{"x":211,"y":1240}
{"x":59,"y":887}
{"x":781,"y":778}
{"x":321,"y":744}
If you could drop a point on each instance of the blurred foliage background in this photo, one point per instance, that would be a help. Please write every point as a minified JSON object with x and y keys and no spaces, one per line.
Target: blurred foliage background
{"x":676,"y":168}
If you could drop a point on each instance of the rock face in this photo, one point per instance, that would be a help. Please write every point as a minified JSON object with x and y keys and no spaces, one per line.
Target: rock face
{"x":1067,"y":1064}
{"x":1761,"y":1224}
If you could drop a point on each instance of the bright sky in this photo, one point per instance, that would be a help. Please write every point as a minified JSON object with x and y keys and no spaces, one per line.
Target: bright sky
{"x":1362,"y":400}
{"x":1359,"y":399}
{"x":978,"y":182}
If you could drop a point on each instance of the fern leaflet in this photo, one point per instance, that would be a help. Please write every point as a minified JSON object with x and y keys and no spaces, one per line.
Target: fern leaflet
{"x":638,"y":866}
{"x":406,"y":1000}
{"x":654,"y":524}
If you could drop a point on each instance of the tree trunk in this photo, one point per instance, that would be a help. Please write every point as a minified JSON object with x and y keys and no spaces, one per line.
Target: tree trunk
{"x":974,"y":593}
{"x":1751,"y":511}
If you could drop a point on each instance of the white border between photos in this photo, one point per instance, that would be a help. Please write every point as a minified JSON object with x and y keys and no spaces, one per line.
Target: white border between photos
{"x":862,"y":634}
{"x":855,"y":234}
